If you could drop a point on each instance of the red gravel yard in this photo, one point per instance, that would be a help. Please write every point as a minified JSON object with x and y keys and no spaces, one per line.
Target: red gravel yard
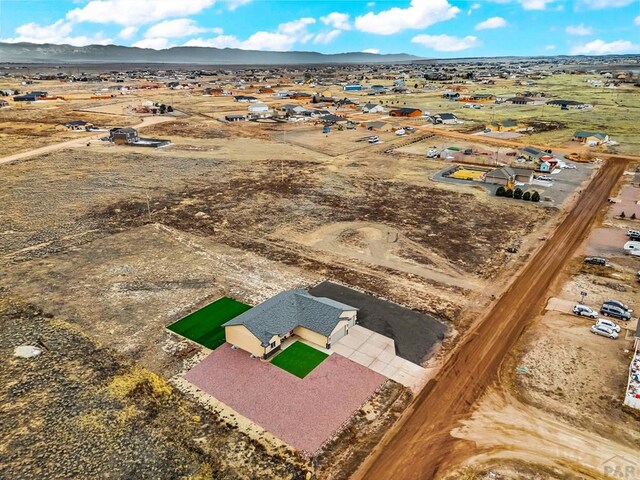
{"x":302,"y":412}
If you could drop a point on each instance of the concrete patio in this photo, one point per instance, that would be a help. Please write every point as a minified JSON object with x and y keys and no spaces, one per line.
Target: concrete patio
{"x":377,"y":352}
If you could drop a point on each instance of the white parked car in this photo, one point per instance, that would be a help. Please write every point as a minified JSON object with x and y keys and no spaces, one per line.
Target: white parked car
{"x":374,"y":139}
{"x":609,"y":324}
{"x":400,"y":131}
{"x":545,"y":178}
{"x":585,"y":311}
{"x":567,"y":166}
{"x":604,"y":331}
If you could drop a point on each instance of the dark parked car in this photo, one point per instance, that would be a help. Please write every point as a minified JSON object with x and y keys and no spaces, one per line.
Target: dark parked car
{"x":595,"y":260}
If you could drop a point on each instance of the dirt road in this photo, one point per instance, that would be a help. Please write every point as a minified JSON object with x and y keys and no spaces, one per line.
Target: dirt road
{"x":146,"y":121}
{"x":421,"y":446}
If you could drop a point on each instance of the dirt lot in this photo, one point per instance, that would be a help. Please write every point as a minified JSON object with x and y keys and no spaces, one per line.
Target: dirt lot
{"x":81,"y":411}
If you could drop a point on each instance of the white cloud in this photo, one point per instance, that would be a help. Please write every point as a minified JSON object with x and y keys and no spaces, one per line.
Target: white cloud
{"x":600,"y":47}
{"x":528,"y":4}
{"x":180,"y":27}
{"x":419,"y":14}
{"x":337,"y":20}
{"x":637,"y":20}
{"x":155,"y":43}
{"x":283,"y":39}
{"x":579,"y":30}
{"x":371,"y":50}
{"x":534,"y":4}
{"x":549,"y":47}
{"x":233,"y":4}
{"x":493,"y":22}
{"x":371,"y":4}
{"x":475,"y":6}
{"x":327,"y":37}
{"x":58,"y":33}
{"x":600,"y":4}
{"x":128,"y":32}
{"x":446,"y":43}
{"x":136,"y":12}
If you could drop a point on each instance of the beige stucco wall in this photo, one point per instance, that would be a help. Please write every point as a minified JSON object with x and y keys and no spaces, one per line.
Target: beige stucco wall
{"x":311,"y":336}
{"x":276,"y":339}
{"x":241,"y":337}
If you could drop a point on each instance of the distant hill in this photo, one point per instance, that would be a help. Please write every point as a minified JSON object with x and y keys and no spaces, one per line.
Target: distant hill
{"x":50,"y":53}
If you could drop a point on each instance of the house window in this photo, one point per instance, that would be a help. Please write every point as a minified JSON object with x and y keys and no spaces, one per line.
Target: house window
{"x":272,"y":344}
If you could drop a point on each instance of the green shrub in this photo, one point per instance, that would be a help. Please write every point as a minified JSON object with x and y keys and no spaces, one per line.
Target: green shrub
{"x":500,"y":191}
{"x":526,"y":196}
{"x":535,"y":197}
{"x":517,"y":193}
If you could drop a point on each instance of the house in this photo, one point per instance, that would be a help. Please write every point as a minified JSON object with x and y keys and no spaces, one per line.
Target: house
{"x":405,"y":112}
{"x":520,"y":100}
{"x":265,"y":90}
{"x":354,"y":87}
{"x":591,"y":138}
{"x":262,"y":329}
{"x":450,"y":95}
{"x":379,"y":126}
{"x":244,"y":98}
{"x":532,"y":154}
{"x":504,"y":126}
{"x":334,"y":119}
{"x":444,"y":118}
{"x":372,"y":108}
{"x":235,"y":118}
{"x":378,"y":89}
{"x":78,"y":125}
{"x":123,"y":136}
{"x":508,"y":176}
{"x":258,"y":108}
{"x":129,"y":136}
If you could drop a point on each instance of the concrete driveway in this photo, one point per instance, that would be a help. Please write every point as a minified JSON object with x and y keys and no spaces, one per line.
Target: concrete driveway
{"x":377,"y":352}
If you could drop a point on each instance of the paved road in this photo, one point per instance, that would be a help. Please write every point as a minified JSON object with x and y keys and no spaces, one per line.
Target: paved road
{"x":146,"y":121}
{"x":419,"y":445}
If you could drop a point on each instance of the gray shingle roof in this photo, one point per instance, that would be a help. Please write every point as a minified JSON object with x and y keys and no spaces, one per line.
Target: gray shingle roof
{"x":288,"y":310}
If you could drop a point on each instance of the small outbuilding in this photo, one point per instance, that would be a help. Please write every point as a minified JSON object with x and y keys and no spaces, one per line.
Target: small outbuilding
{"x":406,"y":112}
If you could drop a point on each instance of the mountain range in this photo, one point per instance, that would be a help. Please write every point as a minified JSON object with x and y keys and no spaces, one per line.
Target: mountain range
{"x":96,"y":54}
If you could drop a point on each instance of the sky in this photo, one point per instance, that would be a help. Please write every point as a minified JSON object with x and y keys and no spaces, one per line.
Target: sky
{"x":426,"y":28}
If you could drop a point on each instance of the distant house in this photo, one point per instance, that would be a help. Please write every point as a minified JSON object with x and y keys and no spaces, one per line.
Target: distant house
{"x":258,"y":108}
{"x":444,"y":118}
{"x":532,"y":154}
{"x":450,"y":95}
{"x":405,"y":112}
{"x":504,"y":126}
{"x":373,"y":108}
{"x":261,"y":330}
{"x":378,"y":89}
{"x":520,"y":100}
{"x":265,"y":90}
{"x":330,"y":118}
{"x":129,"y":136}
{"x":123,"y":136}
{"x":591,"y":138}
{"x":244,"y":98}
{"x":215,"y":92}
{"x":78,"y":125}
{"x":353,"y":87}
{"x":379,"y":126}
{"x":565,"y":104}
{"x":235,"y":118}
{"x":508,"y":176}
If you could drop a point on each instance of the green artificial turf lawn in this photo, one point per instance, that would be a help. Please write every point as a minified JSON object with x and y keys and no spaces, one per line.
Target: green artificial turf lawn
{"x":299,"y":359}
{"x":205,"y":325}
